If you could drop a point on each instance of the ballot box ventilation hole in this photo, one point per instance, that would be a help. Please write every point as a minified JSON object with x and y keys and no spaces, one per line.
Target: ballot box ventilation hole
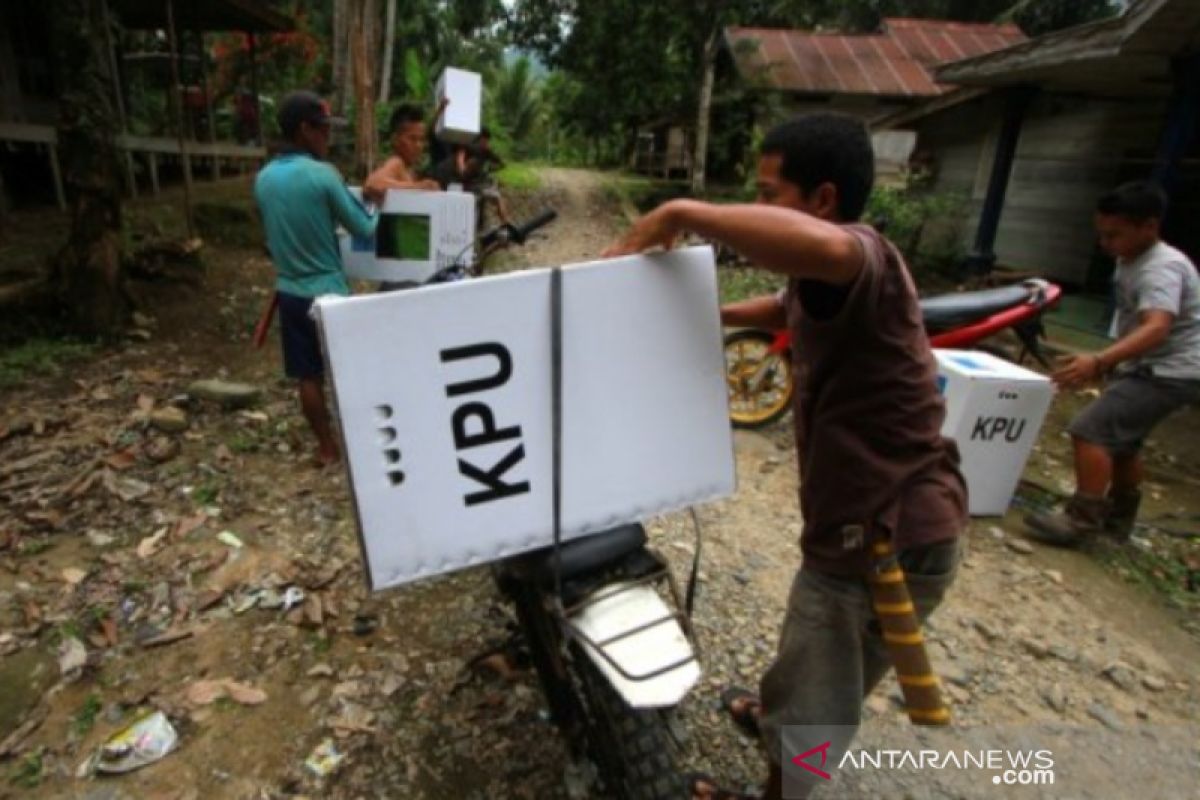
{"x":391,"y":452}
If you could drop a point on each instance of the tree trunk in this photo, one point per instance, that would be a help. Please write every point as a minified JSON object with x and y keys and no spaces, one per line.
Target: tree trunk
{"x":88,"y":273}
{"x":389,"y":45}
{"x":361,"y":36}
{"x":341,"y":13}
{"x":704,"y":112}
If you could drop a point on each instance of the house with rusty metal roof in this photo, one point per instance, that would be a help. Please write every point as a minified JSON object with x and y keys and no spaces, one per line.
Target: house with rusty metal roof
{"x":1035,"y":132}
{"x":870,"y":75}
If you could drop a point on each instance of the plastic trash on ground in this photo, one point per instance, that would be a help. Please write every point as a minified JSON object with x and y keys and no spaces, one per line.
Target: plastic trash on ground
{"x":293,"y":597}
{"x":324,"y":760}
{"x":140,"y":744}
{"x":230,"y":538}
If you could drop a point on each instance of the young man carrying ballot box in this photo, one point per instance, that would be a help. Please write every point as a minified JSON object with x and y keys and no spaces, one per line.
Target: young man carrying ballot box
{"x":1155,"y":366}
{"x":876,"y":473}
{"x":302,"y":199}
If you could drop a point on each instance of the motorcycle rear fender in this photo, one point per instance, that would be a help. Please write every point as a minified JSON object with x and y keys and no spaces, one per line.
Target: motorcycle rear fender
{"x":620,"y":608}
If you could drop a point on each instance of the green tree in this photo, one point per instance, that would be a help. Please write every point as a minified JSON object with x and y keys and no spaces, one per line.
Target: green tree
{"x":1043,"y":16}
{"x":517,"y":103}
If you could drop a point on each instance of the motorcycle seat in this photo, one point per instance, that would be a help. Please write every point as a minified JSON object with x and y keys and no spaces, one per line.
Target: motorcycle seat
{"x":591,"y":553}
{"x":953,"y":310}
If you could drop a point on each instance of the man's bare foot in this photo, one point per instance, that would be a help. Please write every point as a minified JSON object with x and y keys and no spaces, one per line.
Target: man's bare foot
{"x":703,"y":787}
{"x":744,"y":708}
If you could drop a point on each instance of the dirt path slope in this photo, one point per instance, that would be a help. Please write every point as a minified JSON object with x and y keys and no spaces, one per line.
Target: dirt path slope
{"x":113,"y":533}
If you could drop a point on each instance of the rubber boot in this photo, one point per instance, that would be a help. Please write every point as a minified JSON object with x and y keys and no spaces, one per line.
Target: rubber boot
{"x":1083,"y":517}
{"x":1122,"y":514}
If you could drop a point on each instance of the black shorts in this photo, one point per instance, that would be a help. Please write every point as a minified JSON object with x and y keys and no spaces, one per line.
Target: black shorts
{"x":301,"y":342}
{"x":1129,"y":408}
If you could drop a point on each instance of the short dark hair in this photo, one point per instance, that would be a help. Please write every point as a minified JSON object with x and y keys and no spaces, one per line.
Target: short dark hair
{"x":404,"y":114}
{"x":300,"y":107}
{"x":826,"y":148}
{"x":1137,"y":200}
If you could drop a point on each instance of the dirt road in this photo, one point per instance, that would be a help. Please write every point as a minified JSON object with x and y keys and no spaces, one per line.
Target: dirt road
{"x":116,"y":538}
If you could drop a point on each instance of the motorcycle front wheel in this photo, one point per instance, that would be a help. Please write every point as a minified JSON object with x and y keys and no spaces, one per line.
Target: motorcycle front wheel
{"x":633,"y":749}
{"x":760,"y":382}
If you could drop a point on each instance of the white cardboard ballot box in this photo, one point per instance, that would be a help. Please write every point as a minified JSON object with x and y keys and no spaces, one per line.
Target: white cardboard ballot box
{"x":461,"y":120}
{"x":444,"y":399}
{"x":418,"y":234}
{"x":994,"y":411}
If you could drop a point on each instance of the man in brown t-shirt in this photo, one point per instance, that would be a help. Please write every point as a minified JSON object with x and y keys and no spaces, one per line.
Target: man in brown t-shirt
{"x":868,"y":416}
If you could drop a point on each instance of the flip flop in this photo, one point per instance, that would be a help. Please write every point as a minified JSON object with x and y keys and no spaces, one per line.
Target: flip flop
{"x":745,"y":719}
{"x":694,"y":779}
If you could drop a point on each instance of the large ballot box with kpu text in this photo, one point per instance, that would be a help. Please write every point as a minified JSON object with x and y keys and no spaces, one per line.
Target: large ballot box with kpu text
{"x":418,"y":233}
{"x":994,"y":412}
{"x":444,"y":396}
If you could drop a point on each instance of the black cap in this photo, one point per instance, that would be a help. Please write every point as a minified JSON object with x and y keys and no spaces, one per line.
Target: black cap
{"x":300,"y":107}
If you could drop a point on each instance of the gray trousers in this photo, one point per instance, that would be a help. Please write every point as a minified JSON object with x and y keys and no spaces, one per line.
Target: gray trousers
{"x":831,"y":653}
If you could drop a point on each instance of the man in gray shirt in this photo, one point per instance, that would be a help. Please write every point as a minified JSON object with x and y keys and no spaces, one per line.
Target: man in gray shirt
{"x":1155,"y":366}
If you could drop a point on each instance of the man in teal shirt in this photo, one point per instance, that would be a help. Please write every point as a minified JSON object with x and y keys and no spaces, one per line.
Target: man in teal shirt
{"x":302,"y":199}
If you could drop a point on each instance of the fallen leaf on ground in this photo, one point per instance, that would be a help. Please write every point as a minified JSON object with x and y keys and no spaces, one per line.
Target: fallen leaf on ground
{"x":151,"y":544}
{"x":167,"y":637}
{"x":121,"y":460}
{"x":189,"y":524}
{"x":73,"y":575}
{"x":128,"y":489}
{"x":354,"y":719}
{"x":48,"y":518}
{"x":108,"y":627}
{"x":72,"y":655}
{"x":145,"y":403}
{"x":207,"y":692}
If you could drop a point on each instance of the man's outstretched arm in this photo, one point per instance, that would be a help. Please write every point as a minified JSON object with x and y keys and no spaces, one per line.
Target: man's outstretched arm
{"x":778,"y":239}
{"x":758,"y":312}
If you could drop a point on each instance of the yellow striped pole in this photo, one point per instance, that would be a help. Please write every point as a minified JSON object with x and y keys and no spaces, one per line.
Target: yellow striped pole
{"x":902,"y":636}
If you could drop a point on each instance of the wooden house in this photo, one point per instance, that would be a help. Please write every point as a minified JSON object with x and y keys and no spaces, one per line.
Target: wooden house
{"x":1035,"y":132}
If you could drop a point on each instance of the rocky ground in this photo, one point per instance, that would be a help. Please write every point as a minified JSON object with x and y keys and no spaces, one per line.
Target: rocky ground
{"x":163,"y":551}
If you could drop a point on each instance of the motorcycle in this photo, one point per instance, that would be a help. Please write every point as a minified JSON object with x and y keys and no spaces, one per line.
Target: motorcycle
{"x":601,"y":619}
{"x":759,"y":368}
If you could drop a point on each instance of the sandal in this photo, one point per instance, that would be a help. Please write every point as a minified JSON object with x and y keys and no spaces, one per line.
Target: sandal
{"x":742,"y":706}
{"x":712,"y":791}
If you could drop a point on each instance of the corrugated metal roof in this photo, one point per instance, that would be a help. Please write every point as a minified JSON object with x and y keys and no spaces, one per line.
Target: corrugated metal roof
{"x":1122,"y":56}
{"x":896,"y":62}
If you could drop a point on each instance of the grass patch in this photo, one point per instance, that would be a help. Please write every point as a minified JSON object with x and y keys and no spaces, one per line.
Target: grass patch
{"x":28,"y":772}
{"x":206,"y":494}
{"x":519,"y":177}
{"x":40,"y":357}
{"x":85,"y":718}
{"x":242,"y":442}
{"x":34,"y":547}
{"x":639,"y":193}
{"x":742,"y":283}
{"x":1164,"y":569}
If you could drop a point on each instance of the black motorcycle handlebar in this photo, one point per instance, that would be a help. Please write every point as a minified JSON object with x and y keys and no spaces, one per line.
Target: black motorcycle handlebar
{"x":521,"y":232}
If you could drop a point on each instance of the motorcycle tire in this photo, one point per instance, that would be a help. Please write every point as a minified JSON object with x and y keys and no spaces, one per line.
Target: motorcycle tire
{"x":756,"y":407}
{"x":633,"y":749}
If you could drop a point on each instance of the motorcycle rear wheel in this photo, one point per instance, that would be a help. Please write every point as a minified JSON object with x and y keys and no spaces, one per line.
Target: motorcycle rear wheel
{"x":633,"y":749}
{"x":756,"y":404}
